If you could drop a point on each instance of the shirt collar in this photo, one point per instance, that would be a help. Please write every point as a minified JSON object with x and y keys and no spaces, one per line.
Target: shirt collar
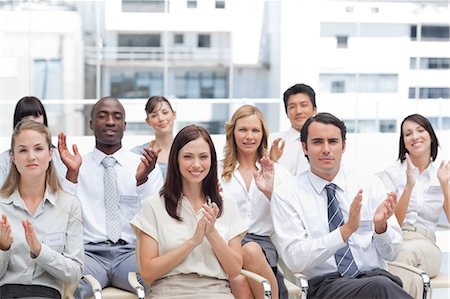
{"x":119,"y":155}
{"x":319,"y":184}
{"x":17,"y":200}
{"x":293,"y":134}
{"x":257,"y":164}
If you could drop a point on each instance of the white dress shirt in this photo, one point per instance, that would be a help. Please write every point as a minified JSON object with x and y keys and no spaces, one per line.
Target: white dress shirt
{"x":170,"y":233}
{"x":58,"y":226}
{"x":300,"y":216}
{"x":253,"y":204}
{"x":426,"y":201}
{"x":90,"y":191}
{"x":293,"y":158}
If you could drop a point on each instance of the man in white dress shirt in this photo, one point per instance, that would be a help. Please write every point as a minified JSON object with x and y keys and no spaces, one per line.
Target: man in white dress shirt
{"x":108,"y":238}
{"x":286,"y":149}
{"x":337,"y":234}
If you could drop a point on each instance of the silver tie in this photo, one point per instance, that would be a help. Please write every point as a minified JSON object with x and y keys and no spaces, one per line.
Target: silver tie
{"x":113,"y":226}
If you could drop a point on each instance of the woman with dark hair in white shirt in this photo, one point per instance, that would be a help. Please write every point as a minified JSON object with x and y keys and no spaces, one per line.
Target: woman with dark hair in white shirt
{"x":189,"y":236}
{"x":41,"y":236}
{"x":423,"y":190}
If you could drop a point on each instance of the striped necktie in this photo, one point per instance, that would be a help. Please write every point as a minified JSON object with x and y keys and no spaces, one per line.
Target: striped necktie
{"x":344,"y":258}
{"x":113,"y":225}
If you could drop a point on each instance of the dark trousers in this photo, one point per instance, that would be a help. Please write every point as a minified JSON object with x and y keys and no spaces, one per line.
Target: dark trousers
{"x":377,"y":283}
{"x":9,"y":291}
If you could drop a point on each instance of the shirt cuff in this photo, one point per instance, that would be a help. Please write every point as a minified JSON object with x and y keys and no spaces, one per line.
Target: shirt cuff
{"x":45,"y":256}
{"x":385,"y":237}
{"x":333,"y":241}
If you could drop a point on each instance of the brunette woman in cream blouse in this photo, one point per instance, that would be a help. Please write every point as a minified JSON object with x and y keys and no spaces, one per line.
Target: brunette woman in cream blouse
{"x":41,"y":235}
{"x":423,"y":190}
{"x":189,"y":236}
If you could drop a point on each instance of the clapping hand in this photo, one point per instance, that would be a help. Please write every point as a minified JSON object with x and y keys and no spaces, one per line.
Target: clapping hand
{"x":410,"y":168}
{"x":264,"y":178}
{"x":30,"y":237}
{"x":72,"y":161}
{"x":148,"y":162}
{"x":277,"y":149}
{"x":6,"y":238}
{"x":443,"y":172}
{"x":384,"y":212}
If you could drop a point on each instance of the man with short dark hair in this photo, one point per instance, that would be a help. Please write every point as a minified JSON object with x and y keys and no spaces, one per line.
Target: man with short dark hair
{"x":299,"y":104}
{"x":111,"y":183}
{"x":337,"y":233}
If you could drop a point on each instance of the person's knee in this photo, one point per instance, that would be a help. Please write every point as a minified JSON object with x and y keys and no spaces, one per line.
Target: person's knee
{"x":251,"y":251}
{"x":384,"y":287}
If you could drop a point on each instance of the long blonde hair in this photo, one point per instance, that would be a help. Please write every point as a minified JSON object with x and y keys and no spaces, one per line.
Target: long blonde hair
{"x":12,"y":180}
{"x":230,"y":149}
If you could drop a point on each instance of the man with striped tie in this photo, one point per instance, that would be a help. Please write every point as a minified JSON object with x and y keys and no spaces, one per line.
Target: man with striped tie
{"x":336,"y":232}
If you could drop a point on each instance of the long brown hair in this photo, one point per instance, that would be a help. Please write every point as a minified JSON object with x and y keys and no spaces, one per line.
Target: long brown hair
{"x":172,"y":189}
{"x":12,"y":180}
{"x":425,"y":123}
{"x":230,"y":150}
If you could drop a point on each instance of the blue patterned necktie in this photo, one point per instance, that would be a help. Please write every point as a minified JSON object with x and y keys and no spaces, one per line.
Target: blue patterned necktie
{"x":113,"y":227}
{"x":344,"y":258}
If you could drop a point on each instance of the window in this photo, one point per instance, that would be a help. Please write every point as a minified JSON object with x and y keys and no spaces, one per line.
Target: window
{"x":434,"y":92}
{"x":220,"y":3}
{"x":204,"y":41}
{"x":412,"y":93}
{"x":47,"y":78}
{"x":191,"y":3}
{"x":342,"y":41}
{"x":430,"y":92}
{"x":139,"y":40}
{"x":338,"y":86}
{"x":367,"y":83}
{"x":201,"y":85}
{"x":143,"y":5}
{"x":413,"y":32}
{"x":136,"y":84}
{"x":387,"y":125}
{"x":178,"y":39}
{"x":434,"y":63}
{"x":435,"y":33}
{"x":412,"y":63}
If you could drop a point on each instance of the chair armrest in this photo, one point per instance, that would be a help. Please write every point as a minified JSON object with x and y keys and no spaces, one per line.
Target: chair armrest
{"x":95,"y":285}
{"x":420,"y":272}
{"x":263,"y":281}
{"x":302,"y":283}
{"x":443,"y":226}
{"x":132,"y":279}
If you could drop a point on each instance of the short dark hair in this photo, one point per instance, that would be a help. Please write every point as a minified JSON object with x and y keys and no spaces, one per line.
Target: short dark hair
{"x":299,"y":88}
{"x":27,"y":106}
{"x":172,"y":189}
{"x":153,"y":102}
{"x":323,"y":118}
{"x":94,"y":107}
{"x":425,"y":123}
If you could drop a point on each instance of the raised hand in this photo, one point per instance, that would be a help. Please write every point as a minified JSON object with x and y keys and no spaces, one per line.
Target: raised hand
{"x":148,"y":162}
{"x":264,"y":178}
{"x":72,"y":161}
{"x":277,"y":148}
{"x":30,"y":237}
{"x":6,"y":238}
{"x":443,"y":172}
{"x":410,"y":169}
{"x":354,"y":217}
{"x":384,"y":212}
